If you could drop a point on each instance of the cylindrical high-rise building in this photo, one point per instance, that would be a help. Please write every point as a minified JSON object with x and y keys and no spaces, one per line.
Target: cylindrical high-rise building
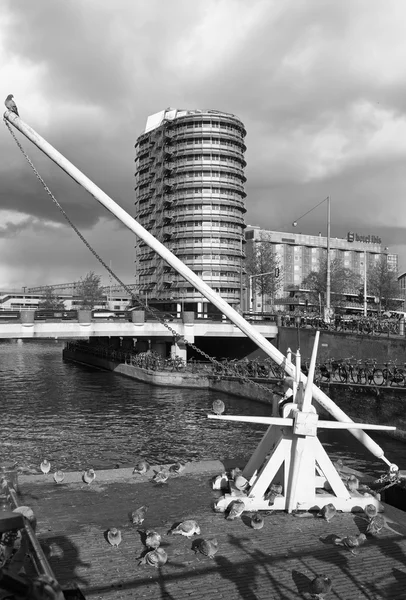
{"x":190,"y":196}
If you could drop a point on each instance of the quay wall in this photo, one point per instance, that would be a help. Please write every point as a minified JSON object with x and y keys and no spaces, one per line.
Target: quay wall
{"x":226,"y":385}
{"x":366,"y":404}
{"x":337,"y":344}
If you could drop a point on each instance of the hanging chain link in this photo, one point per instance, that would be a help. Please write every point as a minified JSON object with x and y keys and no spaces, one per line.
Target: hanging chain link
{"x":223,"y":369}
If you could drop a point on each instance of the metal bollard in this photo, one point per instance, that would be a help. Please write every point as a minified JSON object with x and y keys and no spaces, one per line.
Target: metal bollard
{"x":402,"y":327}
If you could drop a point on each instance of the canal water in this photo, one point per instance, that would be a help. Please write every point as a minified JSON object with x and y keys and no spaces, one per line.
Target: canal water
{"x":80,"y":417}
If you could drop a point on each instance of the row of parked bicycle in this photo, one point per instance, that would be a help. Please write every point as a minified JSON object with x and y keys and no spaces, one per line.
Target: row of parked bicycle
{"x":345,"y":370}
{"x":348,"y":370}
{"x":364,"y":372}
{"x":367,"y":326}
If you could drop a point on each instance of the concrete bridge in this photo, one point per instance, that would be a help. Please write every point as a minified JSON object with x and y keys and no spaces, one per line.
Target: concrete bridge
{"x":25,"y":326}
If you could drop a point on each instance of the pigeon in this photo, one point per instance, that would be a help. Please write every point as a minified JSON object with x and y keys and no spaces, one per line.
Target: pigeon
{"x":339,"y":465}
{"x":137,"y":516}
{"x":320,"y":586}
{"x":45,"y":466}
{"x":155,"y":558}
{"x":218,"y":407}
{"x":59,"y":476}
{"x":235,"y":472}
{"x":241,"y":483}
{"x":89,"y":476}
{"x":207,"y":547}
{"x":327,"y":512}
{"x":257,"y":521}
{"x":114,"y":537}
{"x":141,"y":468}
{"x":376,"y":524}
{"x":370,"y":511}
{"x":11,"y":105}
{"x":236,"y":508}
{"x":28,"y":514}
{"x":153,"y":539}
{"x":275,"y":489}
{"x":220,"y":482}
{"x":177,"y":468}
{"x":187,"y":528}
{"x":351,"y":542}
{"x":161,"y":476}
{"x":352,"y":483}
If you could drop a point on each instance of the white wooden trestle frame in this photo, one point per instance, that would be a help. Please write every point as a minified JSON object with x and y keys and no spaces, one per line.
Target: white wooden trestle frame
{"x":291,"y":454}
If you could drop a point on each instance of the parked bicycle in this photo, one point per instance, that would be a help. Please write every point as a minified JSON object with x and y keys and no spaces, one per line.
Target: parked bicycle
{"x":393,"y":374}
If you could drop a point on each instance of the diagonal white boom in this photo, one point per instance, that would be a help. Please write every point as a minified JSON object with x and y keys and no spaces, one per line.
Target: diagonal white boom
{"x":289,"y":422}
{"x":188,"y":274}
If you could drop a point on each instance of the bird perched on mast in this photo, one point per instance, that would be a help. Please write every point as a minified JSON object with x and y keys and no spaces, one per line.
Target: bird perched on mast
{"x":11,"y":105}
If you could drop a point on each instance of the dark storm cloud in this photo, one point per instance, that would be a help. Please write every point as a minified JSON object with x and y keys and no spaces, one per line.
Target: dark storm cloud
{"x":92,"y":58}
{"x":304,"y":76}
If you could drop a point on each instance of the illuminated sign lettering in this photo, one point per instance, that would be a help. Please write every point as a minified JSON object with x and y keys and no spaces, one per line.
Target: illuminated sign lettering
{"x":367,"y":239}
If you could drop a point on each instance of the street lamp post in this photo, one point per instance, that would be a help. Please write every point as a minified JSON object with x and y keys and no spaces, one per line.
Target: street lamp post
{"x":365,"y":284}
{"x":328,"y":282}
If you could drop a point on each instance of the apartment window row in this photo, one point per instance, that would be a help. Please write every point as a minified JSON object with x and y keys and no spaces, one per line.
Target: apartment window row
{"x":215,"y":190}
{"x":207,"y":224}
{"x":224,"y":290}
{"x":217,"y":124}
{"x":230,"y":258}
{"x":209,"y":207}
{"x":198,"y":141}
{"x":229,"y":274}
{"x":208,"y":173}
{"x":209,"y":157}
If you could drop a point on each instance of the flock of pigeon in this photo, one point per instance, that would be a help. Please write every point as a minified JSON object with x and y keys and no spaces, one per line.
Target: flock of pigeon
{"x":87,"y":476}
{"x":156,"y":556}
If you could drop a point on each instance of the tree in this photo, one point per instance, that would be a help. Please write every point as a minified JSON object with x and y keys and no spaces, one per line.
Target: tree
{"x":382,"y":282}
{"x":89,"y":291}
{"x":342,"y":280}
{"x":262,"y":258}
{"x":50,"y":300}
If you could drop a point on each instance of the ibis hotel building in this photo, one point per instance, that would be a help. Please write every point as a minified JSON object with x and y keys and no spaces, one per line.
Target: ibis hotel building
{"x":189,"y":193}
{"x":299,"y":254}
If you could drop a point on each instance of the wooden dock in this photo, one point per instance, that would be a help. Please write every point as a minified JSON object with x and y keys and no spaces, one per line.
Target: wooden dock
{"x":278,"y":561}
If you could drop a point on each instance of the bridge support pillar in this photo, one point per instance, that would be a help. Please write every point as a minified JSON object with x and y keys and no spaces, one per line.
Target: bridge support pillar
{"x":138,"y":316}
{"x":84,"y":316}
{"x":27,"y":318}
{"x":179,"y":349}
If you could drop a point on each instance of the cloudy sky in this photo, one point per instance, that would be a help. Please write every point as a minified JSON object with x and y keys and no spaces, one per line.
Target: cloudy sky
{"x":319,"y":84}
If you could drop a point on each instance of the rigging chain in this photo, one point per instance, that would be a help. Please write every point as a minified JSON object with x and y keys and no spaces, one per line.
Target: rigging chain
{"x":148,"y":309}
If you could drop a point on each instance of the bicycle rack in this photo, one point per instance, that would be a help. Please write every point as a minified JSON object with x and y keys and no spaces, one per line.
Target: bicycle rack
{"x":11,"y":575}
{"x":291,"y":454}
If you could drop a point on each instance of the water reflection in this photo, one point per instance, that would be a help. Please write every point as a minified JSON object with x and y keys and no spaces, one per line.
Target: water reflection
{"x":79,"y":417}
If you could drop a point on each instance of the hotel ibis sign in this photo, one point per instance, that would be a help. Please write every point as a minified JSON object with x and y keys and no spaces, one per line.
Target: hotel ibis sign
{"x":368,"y":239}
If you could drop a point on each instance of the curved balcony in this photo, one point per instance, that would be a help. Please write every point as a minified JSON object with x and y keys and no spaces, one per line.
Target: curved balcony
{"x":221,"y":184}
{"x":199,"y":146}
{"x":231,"y":132}
{"x":209,"y":118}
{"x":208,"y":168}
{"x":215,"y":137}
{"x":187,"y":195}
{"x":208,"y":218}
